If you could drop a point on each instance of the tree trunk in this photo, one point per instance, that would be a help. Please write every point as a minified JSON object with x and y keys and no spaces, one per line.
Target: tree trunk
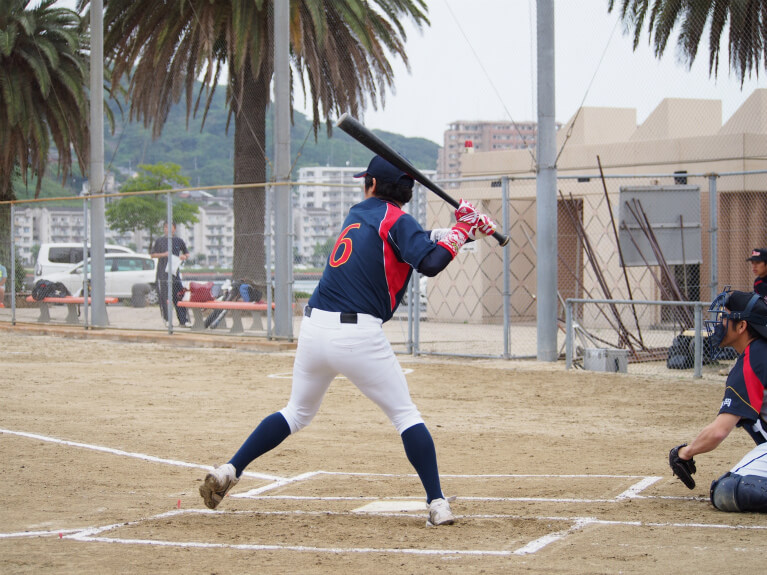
{"x":5,"y":237}
{"x":250,"y":103}
{"x":5,"y":231}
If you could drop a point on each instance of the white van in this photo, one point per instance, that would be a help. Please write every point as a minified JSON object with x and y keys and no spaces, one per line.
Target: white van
{"x":121,"y":273}
{"x":54,"y":258}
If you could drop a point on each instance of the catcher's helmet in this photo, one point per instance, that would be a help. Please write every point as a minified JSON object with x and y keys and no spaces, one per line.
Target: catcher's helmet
{"x":735,"y":305}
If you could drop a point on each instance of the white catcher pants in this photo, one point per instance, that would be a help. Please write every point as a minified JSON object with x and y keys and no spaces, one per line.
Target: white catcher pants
{"x":359,"y":351}
{"x":753,"y":463}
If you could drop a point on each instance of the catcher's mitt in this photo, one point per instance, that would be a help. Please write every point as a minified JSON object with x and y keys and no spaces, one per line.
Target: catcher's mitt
{"x":682,"y":468}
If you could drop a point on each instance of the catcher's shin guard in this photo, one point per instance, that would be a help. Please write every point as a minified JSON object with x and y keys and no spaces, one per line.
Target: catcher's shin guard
{"x":733,"y":492}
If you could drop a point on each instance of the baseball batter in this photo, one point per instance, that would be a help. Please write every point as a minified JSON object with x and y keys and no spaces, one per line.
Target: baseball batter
{"x":740,"y":322}
{"x":364,"y":280}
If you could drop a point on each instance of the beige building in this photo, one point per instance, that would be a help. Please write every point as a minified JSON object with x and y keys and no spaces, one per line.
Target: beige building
{"x":680,"y":135}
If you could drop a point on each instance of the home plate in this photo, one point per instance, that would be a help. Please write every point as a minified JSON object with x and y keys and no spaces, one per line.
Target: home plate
{"x":391,"y":506}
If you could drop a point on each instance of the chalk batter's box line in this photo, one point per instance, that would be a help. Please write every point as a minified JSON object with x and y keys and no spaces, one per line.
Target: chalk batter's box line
{"x":289,"y":374}
{"x":633,"y":492}
{"x":93,"y":534}
{"x":133,"y":455}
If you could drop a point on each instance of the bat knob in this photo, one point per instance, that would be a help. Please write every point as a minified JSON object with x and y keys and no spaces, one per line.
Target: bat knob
{"x":342,"y":119}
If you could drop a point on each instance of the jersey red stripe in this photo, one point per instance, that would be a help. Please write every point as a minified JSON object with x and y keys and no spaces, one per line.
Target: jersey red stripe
{"x":754,"y":387}
{"x":395,"y":270}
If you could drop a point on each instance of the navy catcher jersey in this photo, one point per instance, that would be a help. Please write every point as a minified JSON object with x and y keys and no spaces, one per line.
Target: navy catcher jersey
{"x":370,"y":264}
{"x":745,"y":390}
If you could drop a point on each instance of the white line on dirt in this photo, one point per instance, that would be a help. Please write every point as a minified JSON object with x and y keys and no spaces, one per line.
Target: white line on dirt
{"x":289,"y":374}
{"x":279,"y":483}
{"x":122,"y":453}
{"x":48,"y":533}
{"x":635,"y":489}
{"x":336,"y":550}
{"x":541,"y":542}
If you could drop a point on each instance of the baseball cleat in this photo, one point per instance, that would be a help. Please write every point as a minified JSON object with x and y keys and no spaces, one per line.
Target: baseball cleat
{"x":439,"y":513}
{"x":217,"y":484}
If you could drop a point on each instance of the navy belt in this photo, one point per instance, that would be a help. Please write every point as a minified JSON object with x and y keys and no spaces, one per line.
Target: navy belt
{"x":346,"y":317}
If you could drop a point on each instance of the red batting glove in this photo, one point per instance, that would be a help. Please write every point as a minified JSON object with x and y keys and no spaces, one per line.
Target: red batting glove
{"x":485,"y":225}
{"x":466,"y":213}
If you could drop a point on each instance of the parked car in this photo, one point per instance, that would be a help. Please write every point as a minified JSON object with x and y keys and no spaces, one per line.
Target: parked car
{"x":61,"y":257}
{"x":121,"y":273}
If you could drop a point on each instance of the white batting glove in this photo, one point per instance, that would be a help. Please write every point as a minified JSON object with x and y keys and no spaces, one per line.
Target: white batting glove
{"x":486,"y":226}
{"x":438,"y":234}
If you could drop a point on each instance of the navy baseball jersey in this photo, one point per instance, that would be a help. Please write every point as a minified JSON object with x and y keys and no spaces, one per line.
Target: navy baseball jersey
{"x":745,"y":390}
{"x":371,"y":262}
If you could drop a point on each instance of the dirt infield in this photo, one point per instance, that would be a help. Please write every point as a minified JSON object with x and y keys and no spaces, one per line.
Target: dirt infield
{"x":104,"y":444}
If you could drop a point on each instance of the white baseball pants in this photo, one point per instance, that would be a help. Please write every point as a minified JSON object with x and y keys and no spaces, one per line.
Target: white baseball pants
{"x":359,"y":351}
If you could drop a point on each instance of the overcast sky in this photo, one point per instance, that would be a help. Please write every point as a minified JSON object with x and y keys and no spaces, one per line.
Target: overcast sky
{"x":477,"y":62}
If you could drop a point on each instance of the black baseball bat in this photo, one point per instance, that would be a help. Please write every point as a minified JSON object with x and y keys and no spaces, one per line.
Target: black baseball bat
{"x":373,"y":143}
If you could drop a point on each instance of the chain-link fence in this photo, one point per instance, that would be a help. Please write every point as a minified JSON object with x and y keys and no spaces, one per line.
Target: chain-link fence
{"x":52,"y":245}
{"x":665,"y":336}
{"x":682,"y":237}
{"x":483,"y":305}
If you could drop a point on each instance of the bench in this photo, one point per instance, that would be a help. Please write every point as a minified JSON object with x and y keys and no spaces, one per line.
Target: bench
{"x":236,"y":307}
{"x":72,"y":302}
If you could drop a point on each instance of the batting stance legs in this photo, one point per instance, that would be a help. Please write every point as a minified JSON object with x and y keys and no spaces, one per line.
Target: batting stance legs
{"x":329,"y":345}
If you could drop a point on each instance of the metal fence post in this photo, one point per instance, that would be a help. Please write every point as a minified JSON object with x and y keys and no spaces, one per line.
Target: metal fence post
{"x":415,"y":334}
{"x":698,"y":342}
{"x":169,"y":265}
{"x":568,"y":334}
{"x":12,"y":277}
{"x":506,"y":270}
{"x":412,"y":292}
{"x":268,"y":250}
{"x":290,"y":261}
{"x":713,"y":219}
{"x":86,"y":264}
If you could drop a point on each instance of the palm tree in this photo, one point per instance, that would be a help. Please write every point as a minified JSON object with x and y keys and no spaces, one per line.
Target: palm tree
{"x":747,"y":33}
{"x":339,"y":52}
{"x":43,"y":74}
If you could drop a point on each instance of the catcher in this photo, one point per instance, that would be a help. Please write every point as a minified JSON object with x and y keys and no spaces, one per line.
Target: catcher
{"x":740,"y":322}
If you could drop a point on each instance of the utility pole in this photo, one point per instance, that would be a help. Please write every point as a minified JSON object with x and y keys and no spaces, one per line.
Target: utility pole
{"x":283,"y":312}
{"x":546,"y":189}
{"x":96,"y":171}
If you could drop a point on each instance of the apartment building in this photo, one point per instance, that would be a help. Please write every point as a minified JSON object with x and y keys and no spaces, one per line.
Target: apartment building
{"x":211,"y":239}
{"x":322,"y":199}
{"x":464,"y":136}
